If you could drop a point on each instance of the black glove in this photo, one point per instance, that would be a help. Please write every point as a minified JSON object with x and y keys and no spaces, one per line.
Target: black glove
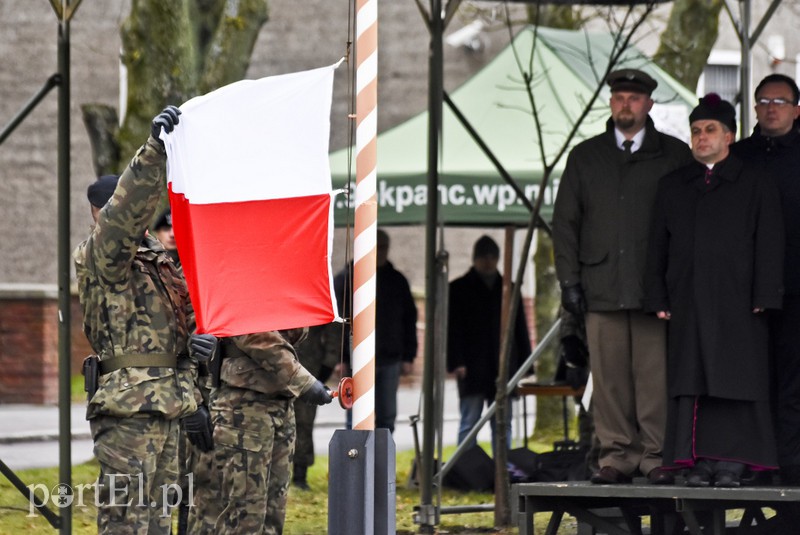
{"x":167,"y":120}
{"x":204,"y":347}
{"x":199,"y":430}
{"x":572,"y":299}
{"x":318,"y":394}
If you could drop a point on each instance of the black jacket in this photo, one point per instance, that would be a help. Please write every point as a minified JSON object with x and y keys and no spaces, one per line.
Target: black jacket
{"x":716,"y":253}
{"x":395,"y":314}
{"x":779,"y":157}
{"x":602,"y":215}
{"x":474,"y":334}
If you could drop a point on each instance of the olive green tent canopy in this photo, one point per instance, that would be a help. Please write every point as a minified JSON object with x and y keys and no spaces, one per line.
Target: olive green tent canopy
{"x":567,"y":67}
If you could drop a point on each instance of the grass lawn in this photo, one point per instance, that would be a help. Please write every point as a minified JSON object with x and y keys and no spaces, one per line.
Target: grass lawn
{"x":307,"y":512}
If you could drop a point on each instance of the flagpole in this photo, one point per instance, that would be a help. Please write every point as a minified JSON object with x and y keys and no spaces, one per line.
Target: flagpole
{"x":361,"y":493}
{"x":366,"y":214}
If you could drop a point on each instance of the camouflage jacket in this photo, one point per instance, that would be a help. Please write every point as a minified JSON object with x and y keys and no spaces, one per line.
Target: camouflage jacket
{"x":320,"y":349}
{"x":135,"y":301}
{"x":264,"y":362}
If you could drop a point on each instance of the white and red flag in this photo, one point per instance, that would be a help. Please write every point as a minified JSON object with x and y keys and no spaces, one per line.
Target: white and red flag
{"x":250,"y":190}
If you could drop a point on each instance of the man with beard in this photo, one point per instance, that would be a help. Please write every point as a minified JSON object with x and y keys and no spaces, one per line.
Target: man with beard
{"x":600,"y":225}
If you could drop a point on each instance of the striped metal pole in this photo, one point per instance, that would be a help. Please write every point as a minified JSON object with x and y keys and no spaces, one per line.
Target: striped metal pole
{"x":366,"y":214}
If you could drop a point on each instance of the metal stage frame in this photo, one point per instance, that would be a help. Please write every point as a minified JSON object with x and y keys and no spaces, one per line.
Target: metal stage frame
{"x":618,"y":509}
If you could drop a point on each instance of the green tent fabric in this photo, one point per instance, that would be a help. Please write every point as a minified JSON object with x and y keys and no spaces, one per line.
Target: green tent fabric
{"x":566,"y":68}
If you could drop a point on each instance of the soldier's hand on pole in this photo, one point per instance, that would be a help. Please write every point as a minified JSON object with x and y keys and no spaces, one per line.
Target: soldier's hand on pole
{"x":199,"y":430}
{"x":167,"y":120}
{"x":204,"y":347}
{"x":318,"y":394}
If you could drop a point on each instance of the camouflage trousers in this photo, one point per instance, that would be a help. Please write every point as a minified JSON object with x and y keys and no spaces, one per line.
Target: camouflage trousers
{"x":254,"y":439}
{"x":304,"y":447}
{"x":138,"y":483}
{"x":197,"y":472}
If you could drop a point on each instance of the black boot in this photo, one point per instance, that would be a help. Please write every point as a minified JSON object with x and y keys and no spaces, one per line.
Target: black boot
{"x":299,"y":477}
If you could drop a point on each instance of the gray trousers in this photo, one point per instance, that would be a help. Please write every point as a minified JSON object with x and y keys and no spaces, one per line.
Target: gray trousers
{"x":627,"y":353}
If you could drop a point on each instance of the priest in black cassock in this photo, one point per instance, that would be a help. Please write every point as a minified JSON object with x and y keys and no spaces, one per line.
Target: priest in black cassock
{"x":715,"y":264}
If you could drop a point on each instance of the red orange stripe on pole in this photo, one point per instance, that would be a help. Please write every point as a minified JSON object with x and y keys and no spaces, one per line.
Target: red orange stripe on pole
{"x":366,"y":214}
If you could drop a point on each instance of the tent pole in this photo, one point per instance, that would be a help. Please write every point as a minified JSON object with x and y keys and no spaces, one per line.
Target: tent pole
{"x":744,"y":71}
{"x":427,"y":514}
{"x":64,"y":263}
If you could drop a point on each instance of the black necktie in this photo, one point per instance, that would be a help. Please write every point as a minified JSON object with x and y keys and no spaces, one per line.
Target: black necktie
{"x":626,"y":146}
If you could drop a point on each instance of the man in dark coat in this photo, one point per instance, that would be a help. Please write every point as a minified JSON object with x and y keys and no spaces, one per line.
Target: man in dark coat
{"x":473,"y":340}
{"x":715,"y":264}
{"x":600,"y":225}
{"x":775,"y":148}
{"x":395,"y":329}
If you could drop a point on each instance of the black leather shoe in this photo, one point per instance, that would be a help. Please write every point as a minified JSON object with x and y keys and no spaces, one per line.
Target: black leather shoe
{"x":728,"y":474}
{"x":726,"y":478}
{"x":299,"y":477}
{"x":608,"y":475}
{"x":661,"y":476}
{"x":699,"y":476}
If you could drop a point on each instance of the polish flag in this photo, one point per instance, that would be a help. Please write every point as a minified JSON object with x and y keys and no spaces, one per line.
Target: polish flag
{"x":250,"y":189}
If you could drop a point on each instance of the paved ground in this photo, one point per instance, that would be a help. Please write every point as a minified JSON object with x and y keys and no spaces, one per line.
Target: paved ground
{"x":29,"y":433}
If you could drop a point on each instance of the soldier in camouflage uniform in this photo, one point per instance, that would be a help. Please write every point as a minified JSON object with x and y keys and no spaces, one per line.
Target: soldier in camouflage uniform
{"x":318,"y":354}
{"x":254,"y":433}
{"x":196,"y":466}
{"x":138,"y":319}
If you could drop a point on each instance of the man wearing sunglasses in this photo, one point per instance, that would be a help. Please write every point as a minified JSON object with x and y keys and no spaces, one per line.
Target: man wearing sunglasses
{"x":775,"y":148}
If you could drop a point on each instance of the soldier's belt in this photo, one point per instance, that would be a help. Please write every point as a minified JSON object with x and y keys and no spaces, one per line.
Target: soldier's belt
{"x":230,"y":350}
{"x":138,"y":360}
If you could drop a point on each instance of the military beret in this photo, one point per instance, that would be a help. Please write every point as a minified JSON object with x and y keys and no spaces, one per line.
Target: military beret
{"x":631,"y":80}
{"x":101,"y":190}
{"x":164,"y":220}
{"x":712,"y":107}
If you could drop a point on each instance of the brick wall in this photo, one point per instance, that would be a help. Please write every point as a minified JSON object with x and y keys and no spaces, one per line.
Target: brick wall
{"x":29,"y":343}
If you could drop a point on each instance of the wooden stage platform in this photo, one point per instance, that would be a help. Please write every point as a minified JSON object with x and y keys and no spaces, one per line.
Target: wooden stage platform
{"x":672,"y":509}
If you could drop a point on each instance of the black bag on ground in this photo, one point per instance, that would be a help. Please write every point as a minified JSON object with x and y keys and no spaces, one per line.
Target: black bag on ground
{"x":525,"y":461}
{"x":473,"y":471}
{"x":567,"y":462}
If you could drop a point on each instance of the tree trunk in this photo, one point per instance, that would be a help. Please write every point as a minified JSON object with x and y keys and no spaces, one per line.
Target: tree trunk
{"x":159,"y":54}
{"x":565,"y":17}
{"x":688,"y":38}
{"x":172,"y":51}
{"x":548,"y":409}
{"x":228,"y":53}
{"x":546,"y":303}
{"x":102,"y":124}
